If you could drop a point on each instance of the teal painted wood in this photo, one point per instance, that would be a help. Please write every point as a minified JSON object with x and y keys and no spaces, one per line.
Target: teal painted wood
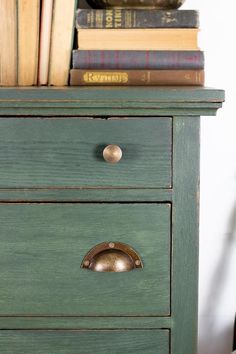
{"x":110,"y":101}
{"x":81,"y":342}
{"x":86,"y":195}
{"x":73,"y":322}
{"x":24,"y":269}
{"x":185,"y":235}
{"x":68,"y":153}
{"x":43,"y":245}
{"x":161,"y":110}
{"x":111,"y":94}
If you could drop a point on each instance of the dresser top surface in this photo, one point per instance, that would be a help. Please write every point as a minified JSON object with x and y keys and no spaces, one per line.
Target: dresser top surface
{"x":121,"y":100}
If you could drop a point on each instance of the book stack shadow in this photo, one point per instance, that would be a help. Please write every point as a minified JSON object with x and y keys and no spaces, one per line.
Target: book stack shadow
{"x":137,"y":47}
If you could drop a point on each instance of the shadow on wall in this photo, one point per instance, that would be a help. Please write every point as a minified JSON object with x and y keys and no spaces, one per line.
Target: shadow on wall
{"x":83,"y":4}
{"x":213,"y":341}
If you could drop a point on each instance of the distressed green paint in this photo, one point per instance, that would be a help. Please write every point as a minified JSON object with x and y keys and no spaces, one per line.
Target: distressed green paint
{"x":86,"y":195}
{"x":81,"y":342}
{"x":111,"y":94}
{"x":160,"y":110}
{"x":185,"y":235}
{"x":110,"y":101}
{"x":102,"y":101}
{"x":75,"y":322}
{"x":43,"y":245}
{"x":68,"y":153}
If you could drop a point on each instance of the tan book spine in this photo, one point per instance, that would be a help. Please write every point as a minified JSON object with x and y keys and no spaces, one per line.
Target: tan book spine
{"x":28,"y":41}
{"x":8,"y":43}
{"x":63,"y":24}
{"x":137,"y":77}
{"x":138,"y":39}
{"x":45,"y":40}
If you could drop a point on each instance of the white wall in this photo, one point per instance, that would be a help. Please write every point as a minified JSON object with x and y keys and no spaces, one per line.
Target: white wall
{"x":217,"y":302}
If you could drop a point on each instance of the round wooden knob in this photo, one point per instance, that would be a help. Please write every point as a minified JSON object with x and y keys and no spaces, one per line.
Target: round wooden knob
{"x":112,"y":153}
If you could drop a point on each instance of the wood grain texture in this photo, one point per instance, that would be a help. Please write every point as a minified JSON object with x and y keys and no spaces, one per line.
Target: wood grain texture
{"x":185,"y":235}
{"x":162,"y":110}
{"x":80,"y":342}
{"x":68,"y":153}
{"x":73,"y":322}
{"x":92,"y":101}
{"x":86,"y":195}
{"x":43,"y":245}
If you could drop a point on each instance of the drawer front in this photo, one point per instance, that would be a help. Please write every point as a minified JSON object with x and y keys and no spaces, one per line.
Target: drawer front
{"x":50,"y":152}
{"x":81,"y":342}
{"x":43,"y":245}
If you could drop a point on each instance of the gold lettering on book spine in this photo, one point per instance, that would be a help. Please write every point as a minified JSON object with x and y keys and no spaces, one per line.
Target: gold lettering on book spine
{"x":168,"y":17}
{"x":109,"y":18}
{"x":93,"y":77}
{"x":118,"y":19}
{"x":99,"y":20}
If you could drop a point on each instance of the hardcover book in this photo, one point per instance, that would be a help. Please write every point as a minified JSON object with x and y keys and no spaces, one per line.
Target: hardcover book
{"x":134,"y":59}
{"x":61,"y":41}
{"x":28,"y":41}
{"x":8,"y":47}
{"x":45,"y":41}
{"x":137,"y":77}
{"x":125,"y":18}
{"x":138,"y":39}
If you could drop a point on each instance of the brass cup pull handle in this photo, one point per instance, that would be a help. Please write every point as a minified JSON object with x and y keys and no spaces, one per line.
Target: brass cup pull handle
{"x":112,"y":257}
{"x":112,"y":154}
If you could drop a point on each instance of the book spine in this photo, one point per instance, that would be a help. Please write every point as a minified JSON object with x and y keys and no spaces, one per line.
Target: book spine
{"x":129,"y":59}
{"x":137,"y":77}
{"x":8,"y":43}
{"x":45,"y":41}
{"x":28,"y":41}
{"x":62,"y":36}
{"x":119,"y":18}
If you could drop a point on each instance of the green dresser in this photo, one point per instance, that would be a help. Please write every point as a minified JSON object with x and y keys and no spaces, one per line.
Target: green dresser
{"x":99,"y":198}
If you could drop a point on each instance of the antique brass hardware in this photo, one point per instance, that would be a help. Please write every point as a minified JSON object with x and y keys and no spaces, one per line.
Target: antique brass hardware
{"x":112,"y":257}
{"x":112,"y":153}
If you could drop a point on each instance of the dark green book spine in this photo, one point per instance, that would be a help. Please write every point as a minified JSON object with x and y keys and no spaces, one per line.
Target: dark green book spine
{"x":120,"y":18}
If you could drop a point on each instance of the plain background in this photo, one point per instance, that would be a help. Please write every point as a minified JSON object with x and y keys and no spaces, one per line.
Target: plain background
{"x":217,"y":288}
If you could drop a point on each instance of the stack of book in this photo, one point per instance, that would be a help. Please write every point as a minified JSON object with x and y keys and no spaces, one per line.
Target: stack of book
{"x":36,"y":39}
{"x":137,"y":47}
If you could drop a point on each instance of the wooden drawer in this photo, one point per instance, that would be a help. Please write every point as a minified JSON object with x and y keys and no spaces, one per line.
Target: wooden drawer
{"x":81,"y":342}
{"x":43,"y":246}
{"x":68,"y":152}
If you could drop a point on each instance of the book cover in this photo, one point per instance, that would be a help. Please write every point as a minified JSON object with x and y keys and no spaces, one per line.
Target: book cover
{"x":135,"y":18}
{"x":134,"y":59}
{"x":138,"y":39}
{"x":137,"y":77}
{"x":8,"y":45}
{"x":28,"y":41}
{"x":45,"y":40}
{"x":61,"y":41}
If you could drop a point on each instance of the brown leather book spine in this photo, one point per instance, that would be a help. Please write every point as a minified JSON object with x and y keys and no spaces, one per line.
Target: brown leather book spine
{"x":137,"y":77}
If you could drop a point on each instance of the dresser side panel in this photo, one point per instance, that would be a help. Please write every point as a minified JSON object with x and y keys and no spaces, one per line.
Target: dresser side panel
{"x":185,"y":230}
